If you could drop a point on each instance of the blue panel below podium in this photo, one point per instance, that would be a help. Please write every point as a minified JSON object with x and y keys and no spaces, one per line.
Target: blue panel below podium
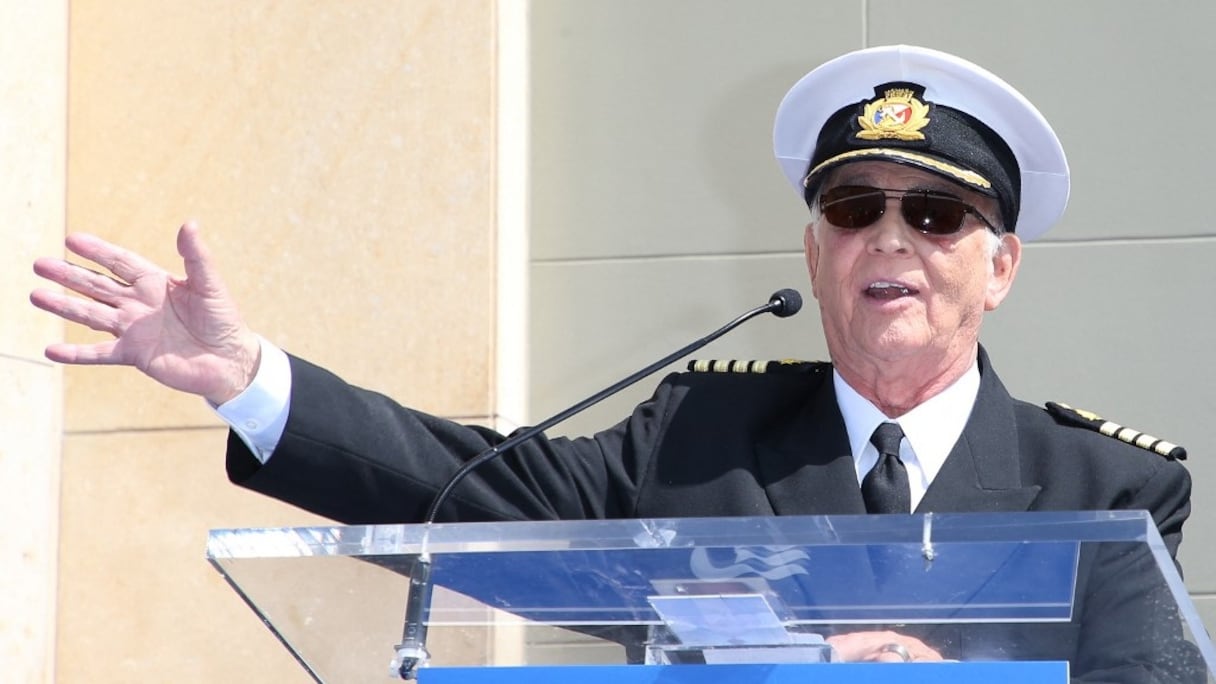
{"x":835,"y":673}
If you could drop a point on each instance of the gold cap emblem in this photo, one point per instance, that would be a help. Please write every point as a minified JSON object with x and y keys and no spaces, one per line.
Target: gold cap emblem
{"x":897,"y":115}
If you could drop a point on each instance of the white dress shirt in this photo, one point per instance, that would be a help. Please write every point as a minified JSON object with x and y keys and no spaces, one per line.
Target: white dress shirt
{"x":930,"y":430}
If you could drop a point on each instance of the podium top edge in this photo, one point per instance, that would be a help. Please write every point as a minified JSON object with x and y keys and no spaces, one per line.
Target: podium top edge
{"x":657,"y":533}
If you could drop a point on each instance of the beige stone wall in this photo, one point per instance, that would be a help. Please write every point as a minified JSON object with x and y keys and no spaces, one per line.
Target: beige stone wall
{"x":340,"y":158}
{"x":33,"y":62}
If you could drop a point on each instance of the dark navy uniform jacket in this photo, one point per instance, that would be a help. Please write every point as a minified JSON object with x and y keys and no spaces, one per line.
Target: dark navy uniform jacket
{"x":743,"y":444}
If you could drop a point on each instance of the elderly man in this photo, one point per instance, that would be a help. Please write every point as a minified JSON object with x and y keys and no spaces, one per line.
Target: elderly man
{"x":923,"y":174}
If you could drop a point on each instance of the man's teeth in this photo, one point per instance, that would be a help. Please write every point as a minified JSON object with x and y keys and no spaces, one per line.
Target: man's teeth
{"x":887,"y":287}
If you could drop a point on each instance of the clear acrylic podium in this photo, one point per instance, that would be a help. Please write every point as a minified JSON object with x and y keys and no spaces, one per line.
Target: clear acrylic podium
{"x":725,"y":599}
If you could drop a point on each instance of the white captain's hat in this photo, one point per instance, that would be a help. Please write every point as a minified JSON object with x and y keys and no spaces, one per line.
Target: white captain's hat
{"x":929,"y":109}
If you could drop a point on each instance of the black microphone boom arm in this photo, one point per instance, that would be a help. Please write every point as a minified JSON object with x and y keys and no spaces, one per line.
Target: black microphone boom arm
{"x":783,"y":303}
{"x":411,"y":652}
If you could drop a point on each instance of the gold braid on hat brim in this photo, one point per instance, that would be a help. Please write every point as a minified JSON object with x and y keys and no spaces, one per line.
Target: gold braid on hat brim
{"x":969,"y":177}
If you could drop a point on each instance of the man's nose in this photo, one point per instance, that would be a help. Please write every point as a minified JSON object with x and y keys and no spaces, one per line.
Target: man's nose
{"x":891,"y":233}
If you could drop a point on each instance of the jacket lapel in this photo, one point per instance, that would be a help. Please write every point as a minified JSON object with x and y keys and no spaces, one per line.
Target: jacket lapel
{"x":806,"y":465}
{"x":982,"y":472}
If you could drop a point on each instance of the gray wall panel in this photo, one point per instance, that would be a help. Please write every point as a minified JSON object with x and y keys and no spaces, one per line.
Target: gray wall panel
{"x":1206,"y":607}
{"x":652,"y":122}
{"x":618,"y":316}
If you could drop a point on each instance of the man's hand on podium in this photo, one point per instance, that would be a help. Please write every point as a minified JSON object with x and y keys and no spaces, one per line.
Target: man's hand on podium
{"x":881,"y":647}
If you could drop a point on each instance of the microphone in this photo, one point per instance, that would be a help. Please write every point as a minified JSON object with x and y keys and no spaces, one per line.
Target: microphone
{"x":785,"y":303}
{"x":411,"y":653}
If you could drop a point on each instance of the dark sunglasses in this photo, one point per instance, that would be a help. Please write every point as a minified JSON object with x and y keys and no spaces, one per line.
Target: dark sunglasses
{"x":930,"y":212}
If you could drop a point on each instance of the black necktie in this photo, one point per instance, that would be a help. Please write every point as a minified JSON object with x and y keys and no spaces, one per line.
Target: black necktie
{"x":885,"y":487}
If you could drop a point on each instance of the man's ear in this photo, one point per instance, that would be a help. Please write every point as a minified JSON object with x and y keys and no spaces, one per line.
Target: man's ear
{"x":1004,"y":269}
{"x":811,"y":251}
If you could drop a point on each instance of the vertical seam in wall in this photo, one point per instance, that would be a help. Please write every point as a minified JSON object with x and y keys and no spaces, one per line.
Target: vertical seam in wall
{"x":60,"y":407}
{"x":512,"y":171}
{"x":865,"y":23}
{"x":492,"y":359}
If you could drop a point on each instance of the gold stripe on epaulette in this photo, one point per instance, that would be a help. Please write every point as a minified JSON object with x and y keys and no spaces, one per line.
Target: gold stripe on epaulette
{"x":782,"y":367}
{"x":1135,"y":437}
{"x":728,"y":366}
{"x":1126,"y":434}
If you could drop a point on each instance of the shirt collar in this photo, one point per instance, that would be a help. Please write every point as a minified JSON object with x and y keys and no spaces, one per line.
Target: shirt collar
{"x":931,"y":429}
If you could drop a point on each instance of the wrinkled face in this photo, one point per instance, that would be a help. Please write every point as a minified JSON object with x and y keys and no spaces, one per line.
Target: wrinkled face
{"x":888,"y":292}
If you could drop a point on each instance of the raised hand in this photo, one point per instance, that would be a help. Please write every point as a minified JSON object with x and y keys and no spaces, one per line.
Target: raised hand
{"x":185,"y":333}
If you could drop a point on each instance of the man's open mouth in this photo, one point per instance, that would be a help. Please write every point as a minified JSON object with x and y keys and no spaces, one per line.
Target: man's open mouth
{"x":884,"y":289}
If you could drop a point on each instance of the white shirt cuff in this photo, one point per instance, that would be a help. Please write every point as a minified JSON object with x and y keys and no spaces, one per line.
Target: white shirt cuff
{"x":259,"y":413}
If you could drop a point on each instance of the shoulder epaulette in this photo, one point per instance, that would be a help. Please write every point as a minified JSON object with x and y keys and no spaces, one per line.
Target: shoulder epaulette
{"x":782,"y":366}
{"x":1092,"y":421}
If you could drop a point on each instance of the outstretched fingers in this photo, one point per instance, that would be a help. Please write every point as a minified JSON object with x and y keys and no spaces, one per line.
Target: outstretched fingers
{"x":97,"y":286}
{"x":106,"y":303}
{"x":127,"y":265}
{"x":84,"y":354}
{"x":96,"y":315}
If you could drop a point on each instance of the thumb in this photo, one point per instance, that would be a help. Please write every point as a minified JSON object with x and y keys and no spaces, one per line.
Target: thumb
{"x":200,"y":271}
